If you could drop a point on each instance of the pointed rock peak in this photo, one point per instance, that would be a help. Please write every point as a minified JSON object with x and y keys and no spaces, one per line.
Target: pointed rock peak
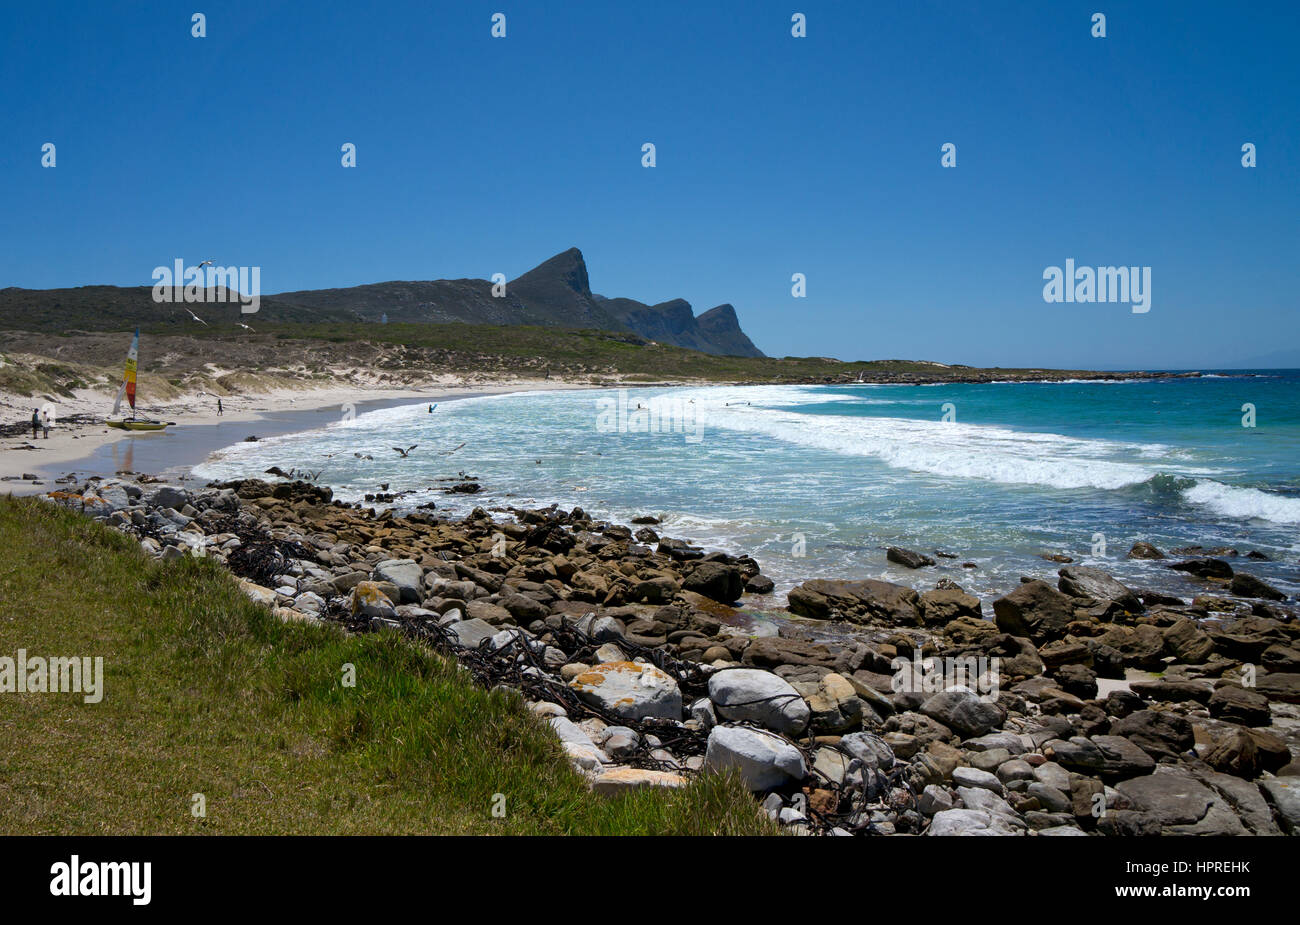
{"x":676,"y":306}
{"x":568,"y":268}
{"x":724,"y":312}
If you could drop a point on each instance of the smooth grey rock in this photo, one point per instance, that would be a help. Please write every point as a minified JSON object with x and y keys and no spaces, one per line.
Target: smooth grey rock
{"x":630,"y":690}
{"x":703,"y":713}
{"x":934,"y":799}
{"x":962,"y":710}
{"x":1180,"y":805}
{"x":406,"y":574}
{"x":1052,"y":799}
{"x":1014,"y":770}
{"x":1284,"y":794}
{"x":871,"y":749}
{"x":469,"y":633}
{"x":764,"y":759}
{"x":974,"y":777}
{"x":1009,"y":740}
{"x":969,"y":822}
{"x":757,"y":696}
{"x":169,"y":496}
{"x":1082,"y":581}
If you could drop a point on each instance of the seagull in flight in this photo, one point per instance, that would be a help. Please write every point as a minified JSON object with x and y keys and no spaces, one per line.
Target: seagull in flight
{"x":404,"y":452}
{"x":197,"y":318}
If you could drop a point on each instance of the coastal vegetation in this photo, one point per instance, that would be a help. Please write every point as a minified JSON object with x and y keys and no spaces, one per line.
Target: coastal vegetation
{"x":222,"y":361}
{"x":206,"y":692}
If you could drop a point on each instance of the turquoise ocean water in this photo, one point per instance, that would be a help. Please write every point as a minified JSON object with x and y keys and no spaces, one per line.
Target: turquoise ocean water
{"x":815,"y":480}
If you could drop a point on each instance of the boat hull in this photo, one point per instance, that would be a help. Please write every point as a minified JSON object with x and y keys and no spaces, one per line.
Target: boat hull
{"x":137,"y":425}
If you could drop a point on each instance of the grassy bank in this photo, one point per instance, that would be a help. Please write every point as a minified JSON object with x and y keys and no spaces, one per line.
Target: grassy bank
{"x":205,"y":692}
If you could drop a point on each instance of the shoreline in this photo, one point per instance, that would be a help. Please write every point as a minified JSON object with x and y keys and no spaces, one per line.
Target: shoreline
{"x":84,"y":448}
{"x":76,"y":442}
{"x":633,"y":646}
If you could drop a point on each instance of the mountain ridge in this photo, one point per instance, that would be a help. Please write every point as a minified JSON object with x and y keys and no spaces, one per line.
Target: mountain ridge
{"x":555,"y":293}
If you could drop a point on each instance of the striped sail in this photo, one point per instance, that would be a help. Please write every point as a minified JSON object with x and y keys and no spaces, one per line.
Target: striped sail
{"x":128,"y":378}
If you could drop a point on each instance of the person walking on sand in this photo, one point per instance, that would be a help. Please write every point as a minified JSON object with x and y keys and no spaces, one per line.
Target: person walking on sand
{"x":36,"y":422}
{"x":219,"y":410}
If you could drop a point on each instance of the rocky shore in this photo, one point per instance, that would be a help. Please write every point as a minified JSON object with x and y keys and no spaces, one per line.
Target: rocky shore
{"x":1078,"y":708}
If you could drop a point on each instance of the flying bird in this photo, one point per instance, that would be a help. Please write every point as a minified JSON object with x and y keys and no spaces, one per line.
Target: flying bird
{"x":404,"y":452}
{"x":197,"y":318}
{"x":449,"y":452}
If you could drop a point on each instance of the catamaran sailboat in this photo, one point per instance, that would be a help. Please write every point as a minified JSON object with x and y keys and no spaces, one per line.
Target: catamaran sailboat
{"x":127,"y":390}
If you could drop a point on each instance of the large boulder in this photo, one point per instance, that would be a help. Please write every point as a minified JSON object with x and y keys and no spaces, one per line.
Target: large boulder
{"x":772,"y":651}
{"x":716,"y":580}
{"x":523,"y":608}
{"x":630,"y":690}
{"x":1140,"y":645}
{"x":1178,"y":804}
{"x":865,"y":601}
{"x":1284,"y":794}
{"x":963,"y":711}
{"x":1159,"y":733}
{"x":1204,"y":568}
{"x":370,"y":602}
{"x":623,"y":780}
{"x":756,"y":696}
{"x":1121,"y":758}
{"x":1279,"y":685}
{"x":971,"y":822}
{"x":763,"y":759}
{"x":835,"y":705}
{"x":469,"y":633}
{"x":1082,"y":581}
{"x":1244,"y":585}
{"x":169,"y":496}
{"x":1036,"y":610}
{"x":943,"y":605}
{"x":1187,"y":642}
{"x":1235,"y":704}
{"x":1144,"y":550}
{"x":908,"y":558}
{"x":406,"y":574}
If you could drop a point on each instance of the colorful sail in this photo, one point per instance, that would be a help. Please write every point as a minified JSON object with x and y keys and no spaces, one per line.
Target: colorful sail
{"x":128,"y":380}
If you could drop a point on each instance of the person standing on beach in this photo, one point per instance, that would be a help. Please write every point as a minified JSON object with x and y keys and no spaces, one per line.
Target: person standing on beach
{"x":36,"y":422}
{"x":45,"y":423}
{"x":219,"y":410}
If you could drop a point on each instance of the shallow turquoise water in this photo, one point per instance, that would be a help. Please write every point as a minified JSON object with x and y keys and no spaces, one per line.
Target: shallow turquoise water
{"x":816,"y":480}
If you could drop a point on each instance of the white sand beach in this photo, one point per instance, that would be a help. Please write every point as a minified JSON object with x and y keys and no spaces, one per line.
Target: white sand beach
{"x":75,"y":445}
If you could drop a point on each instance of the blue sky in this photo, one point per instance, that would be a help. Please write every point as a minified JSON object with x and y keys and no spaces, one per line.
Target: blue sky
{"x":776,"y":155}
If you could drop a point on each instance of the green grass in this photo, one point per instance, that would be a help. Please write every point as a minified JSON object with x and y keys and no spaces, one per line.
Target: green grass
{"x":205,"y":692}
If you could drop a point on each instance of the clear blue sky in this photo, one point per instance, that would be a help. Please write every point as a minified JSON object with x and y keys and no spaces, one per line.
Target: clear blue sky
{"x":776,"y":155}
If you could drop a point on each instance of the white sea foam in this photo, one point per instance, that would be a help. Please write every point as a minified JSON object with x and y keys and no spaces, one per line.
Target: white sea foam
{"x":1245,"y":503}
{"x":950,"y":450}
